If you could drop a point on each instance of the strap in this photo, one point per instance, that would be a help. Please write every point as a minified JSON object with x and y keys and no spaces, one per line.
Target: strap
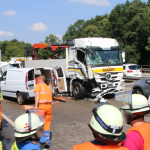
{"x":29,"y":121}
{"x":44,"y":101}
{"x":109,"y":128}
{"x":43,"y":91}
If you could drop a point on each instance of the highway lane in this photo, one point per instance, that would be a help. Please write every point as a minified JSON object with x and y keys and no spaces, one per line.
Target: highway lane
{"x":69,"y":122}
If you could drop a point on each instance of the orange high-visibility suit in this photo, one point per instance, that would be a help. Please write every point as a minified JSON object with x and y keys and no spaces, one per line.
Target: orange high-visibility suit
{"x":45,"y":100}
{"x":91,"y":146}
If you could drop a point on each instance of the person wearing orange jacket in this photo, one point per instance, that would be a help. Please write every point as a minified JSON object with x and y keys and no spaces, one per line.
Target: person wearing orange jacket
{"x":135,"y":108}
{"x":43,"y":100}
{"x":106,"y":125}
{"x":1,"y":98}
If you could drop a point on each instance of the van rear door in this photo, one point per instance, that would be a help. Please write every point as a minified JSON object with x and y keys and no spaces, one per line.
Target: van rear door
{"x":61,"y":79}
{"x":47,"y":72}
{"x":30,"y":82}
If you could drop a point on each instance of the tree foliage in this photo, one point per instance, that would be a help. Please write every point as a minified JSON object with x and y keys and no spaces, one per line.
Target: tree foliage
{"x":12,"y":48}
{"x":128,"y":23}
{"x":45,"y":54}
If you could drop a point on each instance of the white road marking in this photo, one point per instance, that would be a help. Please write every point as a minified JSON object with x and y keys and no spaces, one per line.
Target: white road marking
{"x":7,"y":119}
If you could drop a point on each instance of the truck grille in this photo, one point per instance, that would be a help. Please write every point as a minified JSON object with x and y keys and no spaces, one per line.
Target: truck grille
{"x":114,"y":77}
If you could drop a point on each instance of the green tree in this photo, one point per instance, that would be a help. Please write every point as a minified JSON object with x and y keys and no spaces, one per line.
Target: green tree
{"x":13,"y":48}
{"x":52,"y":39}
{"x":148,"y":46}
{"x":46,"y":54}
{"x":89,"y":31}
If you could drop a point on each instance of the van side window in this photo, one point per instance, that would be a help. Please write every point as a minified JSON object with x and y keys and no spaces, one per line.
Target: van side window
{"x":60,"y":73}
{"x":30,"y":75}
{"x":81,"y":56}
{"x":3,"y":78}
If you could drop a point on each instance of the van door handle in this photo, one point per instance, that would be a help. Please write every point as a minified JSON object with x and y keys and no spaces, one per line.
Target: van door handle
{"x":4,"y":83}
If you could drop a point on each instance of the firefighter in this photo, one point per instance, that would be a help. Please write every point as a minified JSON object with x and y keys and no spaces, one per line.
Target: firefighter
{"x":135,"y":108}
{"x":28,"y":131}
{"x":106,"y":125}
{"x":43,"y":100}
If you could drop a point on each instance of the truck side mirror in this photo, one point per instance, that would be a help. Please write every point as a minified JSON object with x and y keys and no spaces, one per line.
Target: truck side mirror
{"x":123,"y":55}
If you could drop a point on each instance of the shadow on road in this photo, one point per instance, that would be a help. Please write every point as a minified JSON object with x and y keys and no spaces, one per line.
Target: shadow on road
{"x":27,"y":102}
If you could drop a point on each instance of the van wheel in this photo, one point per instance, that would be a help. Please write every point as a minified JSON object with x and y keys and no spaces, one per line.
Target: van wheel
{"x":78,"y":90}
{"x":20,"y":100}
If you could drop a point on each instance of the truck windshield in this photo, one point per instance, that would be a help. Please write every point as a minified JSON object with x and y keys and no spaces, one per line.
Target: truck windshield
{"x":104,"y":57}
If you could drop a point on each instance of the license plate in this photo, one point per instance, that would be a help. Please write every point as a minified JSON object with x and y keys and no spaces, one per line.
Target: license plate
{"x":136,"y":75}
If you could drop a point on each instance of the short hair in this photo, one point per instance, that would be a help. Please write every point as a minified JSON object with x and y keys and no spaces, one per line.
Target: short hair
{"x":42,"y":78}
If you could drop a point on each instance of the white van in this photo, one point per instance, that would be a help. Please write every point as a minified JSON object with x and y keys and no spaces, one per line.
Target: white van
{"x":20,"y":82}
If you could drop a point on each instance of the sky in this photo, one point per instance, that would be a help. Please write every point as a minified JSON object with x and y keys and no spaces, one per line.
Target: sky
{"x":32,"y":20}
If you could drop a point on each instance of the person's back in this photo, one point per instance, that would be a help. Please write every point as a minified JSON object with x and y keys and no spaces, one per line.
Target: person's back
{"x":42,"y":87}
{"x":97,"y":145}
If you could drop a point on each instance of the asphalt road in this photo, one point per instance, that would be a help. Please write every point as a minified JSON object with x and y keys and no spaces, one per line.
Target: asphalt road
{"x":69,"y":122}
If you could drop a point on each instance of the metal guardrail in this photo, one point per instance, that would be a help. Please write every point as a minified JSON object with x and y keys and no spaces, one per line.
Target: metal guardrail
{"x":131,"y":79}
{"x":145,"y":68}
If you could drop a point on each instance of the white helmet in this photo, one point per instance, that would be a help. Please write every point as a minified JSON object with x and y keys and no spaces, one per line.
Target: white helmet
{"x":133,"y":103}
{"x":27,"y":124}
{"x":107,"y":121}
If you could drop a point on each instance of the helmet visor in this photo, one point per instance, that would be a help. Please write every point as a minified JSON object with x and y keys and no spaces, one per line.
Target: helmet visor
{"x":39,"y":113}
{"x":124,"y":96}
{"x":128,"y":104}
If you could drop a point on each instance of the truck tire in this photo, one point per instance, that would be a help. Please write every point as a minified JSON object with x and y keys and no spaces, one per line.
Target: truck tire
{"x":137,"y":91}
{"x":20,"y":100}
{"x":79,"y":91}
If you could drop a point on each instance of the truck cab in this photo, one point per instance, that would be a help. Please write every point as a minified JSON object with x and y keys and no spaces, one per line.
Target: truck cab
{"x":95,"y":65}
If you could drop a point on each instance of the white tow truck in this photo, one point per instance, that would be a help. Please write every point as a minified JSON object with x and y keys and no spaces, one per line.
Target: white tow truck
{"x":92,"y":66}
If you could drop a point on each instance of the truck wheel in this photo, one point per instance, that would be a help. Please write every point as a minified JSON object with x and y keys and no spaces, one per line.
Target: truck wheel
{"x":78,"y":90}
{"x":137,"y":91}
{"x":20,"y":100}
